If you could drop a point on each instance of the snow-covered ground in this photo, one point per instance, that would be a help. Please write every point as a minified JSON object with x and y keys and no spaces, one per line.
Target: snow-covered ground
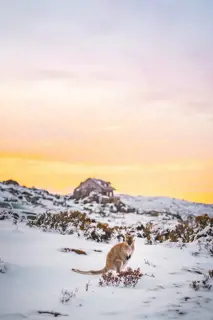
{"x":166,"y":204}
{"x":37,"y":272}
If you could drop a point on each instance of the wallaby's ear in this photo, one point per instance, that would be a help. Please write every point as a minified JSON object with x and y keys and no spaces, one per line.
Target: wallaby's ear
{"x":121,"y":236}
{"x":126,"y":237}
{"x":129,"y":238}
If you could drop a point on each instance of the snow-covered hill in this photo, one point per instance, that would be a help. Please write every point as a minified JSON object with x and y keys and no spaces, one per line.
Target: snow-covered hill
{"x":166,"y":204}
{"x":30,"y":196}
{"x":174,"y":255}
{"x":150,"y":217}
{"x":140,"y":205}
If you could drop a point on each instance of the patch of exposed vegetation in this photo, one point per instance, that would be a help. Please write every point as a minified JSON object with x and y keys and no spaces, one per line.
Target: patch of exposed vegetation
{"x":189,"y":230}
{"x":203,"y":284}
{"x":66,"y":295}
{"x":3,"y":266}
{"x":185,"y":231}
{"x":211,"y":273}
{"x":128,"y":278}
{"x":76,"y":222}
{"x":52,"y":313}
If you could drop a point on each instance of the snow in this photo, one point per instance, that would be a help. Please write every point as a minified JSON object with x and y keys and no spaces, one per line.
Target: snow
{"x":37,"y":272}
{"x":41,"y":199}
{"x":166,"y":204}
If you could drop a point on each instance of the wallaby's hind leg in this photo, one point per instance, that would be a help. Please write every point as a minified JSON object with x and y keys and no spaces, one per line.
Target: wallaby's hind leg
{"x":119,"y":265}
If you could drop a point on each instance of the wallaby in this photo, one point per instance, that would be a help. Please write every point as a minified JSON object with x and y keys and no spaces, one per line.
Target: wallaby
{"x":116,"y":258}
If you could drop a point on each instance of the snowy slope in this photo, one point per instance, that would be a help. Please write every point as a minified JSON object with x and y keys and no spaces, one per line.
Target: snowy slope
{"x":143,"y":205}
{"x":166,"y":204}
{"x":37,"y":272}
{"x":31,"y":197}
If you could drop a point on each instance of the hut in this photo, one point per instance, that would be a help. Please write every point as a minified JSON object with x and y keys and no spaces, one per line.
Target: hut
{"x":93,"y":185}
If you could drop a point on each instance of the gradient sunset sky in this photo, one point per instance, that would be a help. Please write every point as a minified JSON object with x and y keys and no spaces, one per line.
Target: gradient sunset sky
{"x":113,"y":89}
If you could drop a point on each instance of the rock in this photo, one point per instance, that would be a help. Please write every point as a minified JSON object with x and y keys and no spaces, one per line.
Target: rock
{"x":11,"y":182}
{"x":73,"y":250}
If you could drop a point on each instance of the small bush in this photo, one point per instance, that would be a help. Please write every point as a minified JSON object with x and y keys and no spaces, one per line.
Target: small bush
{"x":87,"y":286}
{"x":209,"y":248}
{"x":128,"y":278}
{"x":149,"y":263}
{"x":203,"y":284}
{"x":211,"y":273}
{"x":203,"y":221}
{"x":66,"y":295}
{"x":3,"y":266}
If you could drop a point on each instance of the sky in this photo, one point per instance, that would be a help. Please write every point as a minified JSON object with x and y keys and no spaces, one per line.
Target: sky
{"x":119,"y":90}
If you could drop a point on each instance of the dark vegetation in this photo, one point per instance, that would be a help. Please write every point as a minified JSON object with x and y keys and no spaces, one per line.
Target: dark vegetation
{"x":52,"y":313}
{"x":128,"y":278}
{"x":189,"y":230}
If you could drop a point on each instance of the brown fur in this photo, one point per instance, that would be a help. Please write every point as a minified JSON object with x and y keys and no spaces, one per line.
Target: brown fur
{"x":116,"y":258}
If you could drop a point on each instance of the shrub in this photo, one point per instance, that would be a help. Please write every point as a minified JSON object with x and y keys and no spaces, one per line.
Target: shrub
{"x":204,"y":221}
{"x":185,"y":231}
{"x":66,"y":295}
{"x":128,"y":278}
{"x":76,"y":222}
{"x":3,"y":266}
{"x":211,"y":273}
{"x":203,"y":284}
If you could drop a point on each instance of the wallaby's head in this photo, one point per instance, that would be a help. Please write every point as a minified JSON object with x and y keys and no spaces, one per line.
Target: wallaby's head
{"x":129,"y":239}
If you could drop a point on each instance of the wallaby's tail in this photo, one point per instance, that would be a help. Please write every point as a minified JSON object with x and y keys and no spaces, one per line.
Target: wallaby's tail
{"x":92,"y":272}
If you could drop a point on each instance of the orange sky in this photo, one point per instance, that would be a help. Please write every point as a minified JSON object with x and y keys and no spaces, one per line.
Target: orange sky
{"x":189,"y":180}
{"x":125,"y":97}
